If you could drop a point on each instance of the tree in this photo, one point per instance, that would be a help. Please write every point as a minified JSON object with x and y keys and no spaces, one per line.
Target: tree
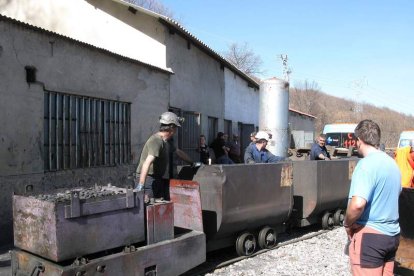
{"x":153,"y":5}
{"x":244,"y":59}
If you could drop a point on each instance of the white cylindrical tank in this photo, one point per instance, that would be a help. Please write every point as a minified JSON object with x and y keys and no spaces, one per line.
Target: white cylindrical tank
{"x":274,"y":114}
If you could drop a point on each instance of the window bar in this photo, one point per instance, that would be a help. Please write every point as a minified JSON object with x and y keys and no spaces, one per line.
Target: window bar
{"x":57,"y":131}
{"x":110,"y":133}
{"x":76,"y":132}
{"x":101,"y":135}
{"x":50,"y":132}
{"x":89,"y":129}
{"x":82,"y":133}
{"x":116,"y":133}
{"x":105,"y":117}
{"x":92,"y":131}
{"x":63,"y":131}
{"x":123,"y":133}
{"x":97,"y":141}
{"x":113,"y":133}
{"x":129,"y":133}
{"x":99,"y":128}
{"x":70,"y":132}
{"x":96,"y":134}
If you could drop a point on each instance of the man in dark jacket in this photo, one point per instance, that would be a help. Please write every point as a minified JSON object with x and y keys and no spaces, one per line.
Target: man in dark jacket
{"x":318,"y":150}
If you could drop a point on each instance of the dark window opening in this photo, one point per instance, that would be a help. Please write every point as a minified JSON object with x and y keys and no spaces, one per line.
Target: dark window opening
{"x":83,"y":132}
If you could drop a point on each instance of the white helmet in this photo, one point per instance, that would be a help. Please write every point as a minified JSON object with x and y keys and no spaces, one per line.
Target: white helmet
{"x":168,"y":118}
{"x":262,"y":135}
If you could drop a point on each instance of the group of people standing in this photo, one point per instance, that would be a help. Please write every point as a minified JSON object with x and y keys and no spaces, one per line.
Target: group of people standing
{"x":229,"y":152}
{"x":371,"y":220}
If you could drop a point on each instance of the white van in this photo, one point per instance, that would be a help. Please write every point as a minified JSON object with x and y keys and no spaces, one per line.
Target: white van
{"x":406,"y":138}
{"x":340,"y":135}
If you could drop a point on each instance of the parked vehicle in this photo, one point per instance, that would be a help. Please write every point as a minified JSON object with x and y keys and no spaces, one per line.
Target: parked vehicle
{"x":340,"y":135}
{"x":406,"y":139}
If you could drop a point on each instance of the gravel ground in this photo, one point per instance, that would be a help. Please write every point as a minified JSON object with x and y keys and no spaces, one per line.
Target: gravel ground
{"x":320,"y":255}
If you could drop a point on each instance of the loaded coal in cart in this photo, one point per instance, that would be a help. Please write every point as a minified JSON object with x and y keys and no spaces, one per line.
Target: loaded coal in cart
{"x":107,"y":230}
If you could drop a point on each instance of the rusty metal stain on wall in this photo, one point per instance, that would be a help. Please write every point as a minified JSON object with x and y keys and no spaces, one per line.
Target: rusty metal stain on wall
{"x":352,"y":165}
{"x":286,"y":175}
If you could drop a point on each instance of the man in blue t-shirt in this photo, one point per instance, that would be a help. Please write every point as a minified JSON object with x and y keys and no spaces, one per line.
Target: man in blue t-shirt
{"x":371,"y":220}
{"x":318,"y":150}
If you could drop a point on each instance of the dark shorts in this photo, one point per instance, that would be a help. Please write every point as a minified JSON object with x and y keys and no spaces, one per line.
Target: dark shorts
{"x":157,"y":187}
{"x":371,"y":249}
{"x":376,"y":249}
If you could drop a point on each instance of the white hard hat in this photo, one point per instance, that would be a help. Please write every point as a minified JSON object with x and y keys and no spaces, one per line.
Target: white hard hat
{"x":262,"y":135}
{"x":167,"y":118}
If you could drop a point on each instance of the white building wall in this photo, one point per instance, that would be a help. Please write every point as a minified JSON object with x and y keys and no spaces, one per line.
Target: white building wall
{"x":89,"y":21}
{"x":65,"y":66}
{"x":241,"y":101}
{"x":302,"y":130}
{"x":197,"y":83}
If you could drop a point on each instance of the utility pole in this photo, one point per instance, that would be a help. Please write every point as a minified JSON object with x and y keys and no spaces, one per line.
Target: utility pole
{"x":357,"y":86}
{"x":286,"y":69}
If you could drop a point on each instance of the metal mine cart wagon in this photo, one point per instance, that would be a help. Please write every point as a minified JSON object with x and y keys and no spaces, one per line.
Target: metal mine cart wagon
{"x":104,"y":231}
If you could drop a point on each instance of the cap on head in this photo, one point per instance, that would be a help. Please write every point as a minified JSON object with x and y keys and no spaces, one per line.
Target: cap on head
{"x":262,"y":135}
{"x":168,"y":118}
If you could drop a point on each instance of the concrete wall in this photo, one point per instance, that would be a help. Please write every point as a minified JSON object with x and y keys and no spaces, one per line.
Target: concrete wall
{"x":89,"y":21}
{"x":198,"y":80}
{"x":70,"y":67}
{"x":302,"y":128}
{"x":241,"y":101}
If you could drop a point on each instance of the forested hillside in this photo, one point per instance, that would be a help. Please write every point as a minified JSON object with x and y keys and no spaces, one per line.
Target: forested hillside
{"x":330,"y":109}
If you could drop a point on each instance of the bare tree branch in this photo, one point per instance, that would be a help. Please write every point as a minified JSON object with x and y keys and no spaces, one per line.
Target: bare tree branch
{"x":244,"y":59}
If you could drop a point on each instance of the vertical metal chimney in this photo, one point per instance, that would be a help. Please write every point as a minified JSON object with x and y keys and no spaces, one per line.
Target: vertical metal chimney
{"x":274,"y":114}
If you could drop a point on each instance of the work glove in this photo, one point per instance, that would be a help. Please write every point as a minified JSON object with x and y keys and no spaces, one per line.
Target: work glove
{"x":139,"y":187}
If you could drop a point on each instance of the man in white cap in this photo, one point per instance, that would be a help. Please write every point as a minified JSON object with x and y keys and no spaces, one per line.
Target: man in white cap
{"x":153,"y":171}
{"x":257,"y":152}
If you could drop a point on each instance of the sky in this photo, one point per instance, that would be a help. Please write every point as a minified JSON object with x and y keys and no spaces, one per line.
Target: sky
{"x":359,"y":50}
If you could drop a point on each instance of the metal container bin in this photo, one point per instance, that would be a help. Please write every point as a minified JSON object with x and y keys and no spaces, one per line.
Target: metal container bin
{"x":235,"y":198}
{"x":77,"y":223}
{"x":320,"y":186}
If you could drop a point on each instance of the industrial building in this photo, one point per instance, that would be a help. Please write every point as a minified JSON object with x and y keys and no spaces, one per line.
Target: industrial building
{"x":83,"y":83}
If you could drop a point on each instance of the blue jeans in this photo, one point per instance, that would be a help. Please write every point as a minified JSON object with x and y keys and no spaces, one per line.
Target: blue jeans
{"x":224,"y":159}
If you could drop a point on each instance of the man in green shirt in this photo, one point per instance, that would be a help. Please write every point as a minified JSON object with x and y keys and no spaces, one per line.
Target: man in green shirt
{"x":153,"y":170}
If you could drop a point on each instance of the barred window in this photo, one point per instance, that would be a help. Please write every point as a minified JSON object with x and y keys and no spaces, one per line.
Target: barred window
{"x":83,"y":132}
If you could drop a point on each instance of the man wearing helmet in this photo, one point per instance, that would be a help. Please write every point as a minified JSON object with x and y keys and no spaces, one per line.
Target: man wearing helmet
{"x":257,"y":152}
{"x":153,"y":171}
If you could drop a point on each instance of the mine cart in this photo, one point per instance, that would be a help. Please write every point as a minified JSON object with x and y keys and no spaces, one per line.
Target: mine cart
{"x":320,"y":190}
{"x":245,"y":205}
{"x":103,"y":231}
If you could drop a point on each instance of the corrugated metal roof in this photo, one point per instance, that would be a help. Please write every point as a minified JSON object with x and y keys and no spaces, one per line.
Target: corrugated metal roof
{"x":301,"y":113}
{"x":169,"y":22}
{"x":42,"y":30}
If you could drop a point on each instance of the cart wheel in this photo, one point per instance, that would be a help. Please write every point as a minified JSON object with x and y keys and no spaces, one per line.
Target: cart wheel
{"x":327,"y":221}
{"x":245,"y":244}
{"x":339,"y":217}
{"x":267,"y":238}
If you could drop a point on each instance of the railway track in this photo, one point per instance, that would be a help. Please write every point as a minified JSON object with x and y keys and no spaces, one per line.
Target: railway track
{"x":227,"y":256}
